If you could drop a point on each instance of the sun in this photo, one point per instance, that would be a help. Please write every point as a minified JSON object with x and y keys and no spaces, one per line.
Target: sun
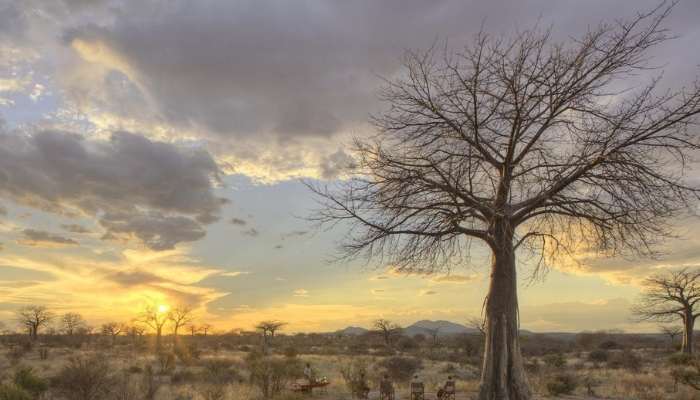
{"x":163,"y":308}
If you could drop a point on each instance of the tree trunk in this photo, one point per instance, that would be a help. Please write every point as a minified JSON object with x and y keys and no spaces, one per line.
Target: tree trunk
{"x":688,"y":325}
{"x":158,"y":335}
{"x":503,"y":376}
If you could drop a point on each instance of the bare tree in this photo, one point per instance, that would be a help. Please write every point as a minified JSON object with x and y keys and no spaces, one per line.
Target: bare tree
{"x":155,"y":318}
{"x":434,"y":334}
{"x":205,"y":328}
{"x":180,"y":316}
{"x":194,"y":328}
{"x":671,"y":331}
{"x":519,"y":143}
{"x":113,"y":329}
{"x":387,"y":329}
{"x":72,"y":323}
{"x":478,"y":324}
{"x":670,"y":297}
{"x":33,"y":318}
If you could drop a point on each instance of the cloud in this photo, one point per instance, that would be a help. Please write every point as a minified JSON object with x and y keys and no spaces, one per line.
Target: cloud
{"x":238,"y":221}
{"x":457,"y":279}
{"x":3,"y":210}
{"x":156,"y":192}
{"x":252,"y":232}
{"x":301,"y":293}
{"x":297,"y":233}
{"x":75,"y":228}
{"x":33,"y":237}
{"x":336,"y":164}
{"x":427,"y":292}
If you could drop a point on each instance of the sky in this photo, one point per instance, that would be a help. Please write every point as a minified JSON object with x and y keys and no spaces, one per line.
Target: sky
{"x":153,"y":152}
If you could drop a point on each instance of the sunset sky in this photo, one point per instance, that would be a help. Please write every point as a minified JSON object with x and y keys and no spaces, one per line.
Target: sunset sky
{"x":152,"y":152}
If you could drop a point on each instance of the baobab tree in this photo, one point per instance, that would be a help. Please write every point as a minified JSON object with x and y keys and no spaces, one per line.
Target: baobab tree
{"x":155,"y":318}
{"x":671,"y":297}
{"x":180,"y":316}
{"x":33,"y":318}
{"x":268,"y":329}
{"x":387,"y":329}
{"x":519,"y":144}
{"x":72,"y":323}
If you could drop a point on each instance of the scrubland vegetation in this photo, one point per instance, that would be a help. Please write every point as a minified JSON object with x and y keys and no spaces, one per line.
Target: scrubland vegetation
{"x":249,"y":365}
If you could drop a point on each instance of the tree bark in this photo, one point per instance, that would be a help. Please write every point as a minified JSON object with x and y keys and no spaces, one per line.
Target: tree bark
{"x":688,"y":325}
{"x":503,"y":375}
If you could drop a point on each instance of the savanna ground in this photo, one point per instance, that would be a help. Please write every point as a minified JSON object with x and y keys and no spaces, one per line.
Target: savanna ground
{"x":228,"y":367}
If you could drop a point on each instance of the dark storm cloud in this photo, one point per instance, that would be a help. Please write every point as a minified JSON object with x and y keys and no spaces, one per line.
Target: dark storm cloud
{"x":156,"y":192}
{"x":307,"y":67}
{"x":33,"y":237}
{"x":238,"y":221}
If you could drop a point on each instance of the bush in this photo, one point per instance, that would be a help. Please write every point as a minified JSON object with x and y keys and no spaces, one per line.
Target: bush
{"x":555,"y":360}
{"x":220,"y":370}
{"x":626,"y":360}
{"x":598,"y":356}
{"x":12,"y":392}
{"x":85,"y":378}
{"x":26,"y":379}
{"x":290,"y":352}
{"x":562,"y":384}
{"x":354,"y":374}
{"x":680,"y":359}
{"x":271,"y":374}
{"x":401,"y":369}
{"x":609,"y":345}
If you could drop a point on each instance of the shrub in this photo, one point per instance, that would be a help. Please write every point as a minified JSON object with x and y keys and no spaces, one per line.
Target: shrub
{"x":555,"y":360}
{"x":680,"y":359}
{"x":598,"y":356}
{"x":12,"y":392}
{"x":166,"y":362}
{"x":626,"y":360}
{"x":85,"y":378}
{"x":149,"y":385}
{"x":26,"y":379}
{"x":609,"y":345}
{"x":290,"y":352}
{"x":220,"y":370}
{"x":271,"y":374}
{"x":401,"y":369}
{"x":354,"y":374}
{"x":562,"y":384}
{"x":213,"y":392}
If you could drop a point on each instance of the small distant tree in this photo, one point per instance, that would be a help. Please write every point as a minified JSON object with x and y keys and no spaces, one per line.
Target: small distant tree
{"x":434,"y":334}
{"x":155,"y":318}
{"x":179,"y":317}
{"x":72,"y":323}
{"x":205,"y":328}
{"x":671,"y":297}
{"x":113,"y":329}
{"x":672,"y":331}
{"x":478,"y":324}
{"x":193,"y":328}
{"x":33,"y":318}
{"x":268,"y":329}
{"x":387,"y":329}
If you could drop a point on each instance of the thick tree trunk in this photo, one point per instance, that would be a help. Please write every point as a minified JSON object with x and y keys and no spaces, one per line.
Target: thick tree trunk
{"x":688,"y":326}
{"x":503,"y":375}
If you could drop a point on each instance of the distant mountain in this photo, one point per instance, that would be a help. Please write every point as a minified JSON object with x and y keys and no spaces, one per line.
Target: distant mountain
{"x":352,"y":331}
{"x":445,"y":328}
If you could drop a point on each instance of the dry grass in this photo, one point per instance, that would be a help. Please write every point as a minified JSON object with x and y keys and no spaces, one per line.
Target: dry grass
{"x":652,"y":382}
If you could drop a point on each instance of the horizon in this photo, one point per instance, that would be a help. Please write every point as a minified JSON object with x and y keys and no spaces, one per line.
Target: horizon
{"x":154,"y":155}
